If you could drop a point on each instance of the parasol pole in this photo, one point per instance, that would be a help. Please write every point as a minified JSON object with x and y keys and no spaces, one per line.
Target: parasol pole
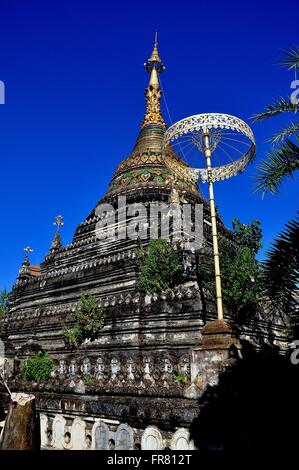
{"x":208,"y":155}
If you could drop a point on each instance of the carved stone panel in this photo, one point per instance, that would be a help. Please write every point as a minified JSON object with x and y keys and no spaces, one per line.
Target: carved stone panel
{"x":73,"y":367}
{"x":58,"y":432}
{"x":100,"y":368}
{"x":78,"y":434}
{"x":124,"y":438}
{"x":62,"y":367}
{"x":100,"y":436}
{"x":130,"y":366}
{"x":86,"y":366}
{"x":181,"y":440}
{"x":184,"y":365}
{"x":115,"y":367}
{"x":166,"y":366}
{"x":151,"y":439}
{"x":43,"y":430}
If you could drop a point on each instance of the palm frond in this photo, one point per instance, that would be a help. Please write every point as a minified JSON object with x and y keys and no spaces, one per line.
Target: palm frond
{"x":293,"y":128}
{"x":279,"y":106}
{"x":280,"y":164}
{"x":280,"y":272}
{"x":290,"y":59}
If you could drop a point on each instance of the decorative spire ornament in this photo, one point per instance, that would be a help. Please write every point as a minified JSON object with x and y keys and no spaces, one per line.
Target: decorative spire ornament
{"x":57,"y":242}
{"x":24,"y":271}
{"x":59,"y":222}
{"x":154,"y":66}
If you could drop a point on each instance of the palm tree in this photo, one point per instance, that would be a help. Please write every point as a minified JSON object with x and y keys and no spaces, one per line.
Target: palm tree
{"x":283,"y":161}
{"x":281,"y":265}
{"x":280,"y":273}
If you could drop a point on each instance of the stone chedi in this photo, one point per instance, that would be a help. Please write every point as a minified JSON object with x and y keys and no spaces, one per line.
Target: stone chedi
{"x":136,"y":385}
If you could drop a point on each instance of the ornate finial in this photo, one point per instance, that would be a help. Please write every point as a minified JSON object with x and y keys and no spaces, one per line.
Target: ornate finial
{"x":154,"y":66}
{"x":59,"y":222}
{"x":154,"y":62}
{"x":56,"y":242}
{"x":155,"y":58}
{"x":24,"y":271}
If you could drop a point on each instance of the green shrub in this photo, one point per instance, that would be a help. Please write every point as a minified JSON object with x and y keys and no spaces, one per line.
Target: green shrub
{"x":182,"y":378}
{"x":39,"y":367}
{"x":88,"y":379}
{"x":240,"y":270}
{"x":73,"y":335}
{"x":90,"y":319}
{"x":158,"y":266}
{"x":41,"y":309}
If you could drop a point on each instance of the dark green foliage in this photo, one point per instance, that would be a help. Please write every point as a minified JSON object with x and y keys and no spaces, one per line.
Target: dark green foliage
{"x":281,"y":266}
{"x":159,"y":266}
{"x":39,"y":367}
{"x":248,"y":235}
{"x":4,"y":306}
{"x":182,"y":378}
{"x":279,"y":165}
{"x":73,"y":335}
{"x":90,"y":319}
{"x":42,"y":308}
{"x":283,"y":160}
{"x":276,"y":108}
{"x":88,"y":379}
{"x":240,"y":276}
{"x":240,"y":271}
{"x":290,"y":59}
{"x":286,"y":131}
{"x":281,"y":271}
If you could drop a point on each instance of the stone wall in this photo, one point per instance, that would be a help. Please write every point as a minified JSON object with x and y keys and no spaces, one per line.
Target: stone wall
{"x":65,"y":432}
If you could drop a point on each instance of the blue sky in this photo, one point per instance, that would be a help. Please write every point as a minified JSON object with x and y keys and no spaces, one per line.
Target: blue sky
{"x":75,"y":83}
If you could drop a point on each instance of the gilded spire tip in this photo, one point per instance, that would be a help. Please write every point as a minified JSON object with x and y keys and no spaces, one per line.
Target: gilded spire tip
{"x":155,"y":61}
{"x":154,"y":66}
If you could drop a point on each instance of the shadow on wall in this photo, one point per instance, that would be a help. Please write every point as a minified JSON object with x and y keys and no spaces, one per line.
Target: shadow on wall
{"x":2,"y":413}
{"x":254,"y":407}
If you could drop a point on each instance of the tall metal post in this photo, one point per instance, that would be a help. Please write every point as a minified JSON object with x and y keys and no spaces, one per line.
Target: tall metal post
{"x":208,"y":154}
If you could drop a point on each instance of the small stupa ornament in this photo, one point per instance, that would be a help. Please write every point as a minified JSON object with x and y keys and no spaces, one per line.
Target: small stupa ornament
{"x":57,"y":242}
{"x":24,"y":271}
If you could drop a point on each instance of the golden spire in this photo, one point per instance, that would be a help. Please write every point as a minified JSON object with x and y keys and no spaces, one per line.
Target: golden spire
{"x":154,"y":66}
{"x":155,"y":54}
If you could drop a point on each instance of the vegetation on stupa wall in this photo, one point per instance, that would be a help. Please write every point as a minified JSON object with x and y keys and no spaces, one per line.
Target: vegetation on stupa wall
{"x":4,"y":306}
{"x":158,"y":266}
{"x":281,"y":265}
{"x":39,"y":367}
{"x":90,"y":319}
{"x":182,"y":378}
{"x":240,"y":270}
